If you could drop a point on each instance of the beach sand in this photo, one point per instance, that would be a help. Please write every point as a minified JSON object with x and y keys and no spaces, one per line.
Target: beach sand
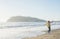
{"x":55,"y":34}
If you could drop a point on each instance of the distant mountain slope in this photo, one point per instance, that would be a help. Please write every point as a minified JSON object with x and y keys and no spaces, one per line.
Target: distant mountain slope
{"x":24,"y":19}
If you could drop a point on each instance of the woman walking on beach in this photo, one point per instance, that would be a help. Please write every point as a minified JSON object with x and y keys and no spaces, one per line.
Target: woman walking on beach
{"x":49,"y":26}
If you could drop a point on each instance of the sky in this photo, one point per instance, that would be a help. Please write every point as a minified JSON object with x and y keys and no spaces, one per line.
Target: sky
{"x":42,"y":9}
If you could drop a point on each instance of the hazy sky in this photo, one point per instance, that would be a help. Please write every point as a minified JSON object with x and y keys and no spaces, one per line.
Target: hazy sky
{"x":42,"y":9}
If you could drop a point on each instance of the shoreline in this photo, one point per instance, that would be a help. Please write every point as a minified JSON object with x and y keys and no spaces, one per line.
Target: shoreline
{"x":54,"y":34}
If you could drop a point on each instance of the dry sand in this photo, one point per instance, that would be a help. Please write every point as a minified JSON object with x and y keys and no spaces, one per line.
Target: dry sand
{"x":55,"y":34}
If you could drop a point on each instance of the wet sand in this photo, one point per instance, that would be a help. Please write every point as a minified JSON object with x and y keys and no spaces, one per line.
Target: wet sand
{"x":55,"y":34}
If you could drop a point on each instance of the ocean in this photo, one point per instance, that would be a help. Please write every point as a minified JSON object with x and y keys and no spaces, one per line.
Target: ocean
{"x":19,"y":30}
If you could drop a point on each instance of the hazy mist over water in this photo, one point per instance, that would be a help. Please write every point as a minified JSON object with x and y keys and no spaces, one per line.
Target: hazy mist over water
{"x":25,"y":24}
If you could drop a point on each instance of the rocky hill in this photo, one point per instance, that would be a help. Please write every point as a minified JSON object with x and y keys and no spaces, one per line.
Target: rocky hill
{"x":24,"y":19}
